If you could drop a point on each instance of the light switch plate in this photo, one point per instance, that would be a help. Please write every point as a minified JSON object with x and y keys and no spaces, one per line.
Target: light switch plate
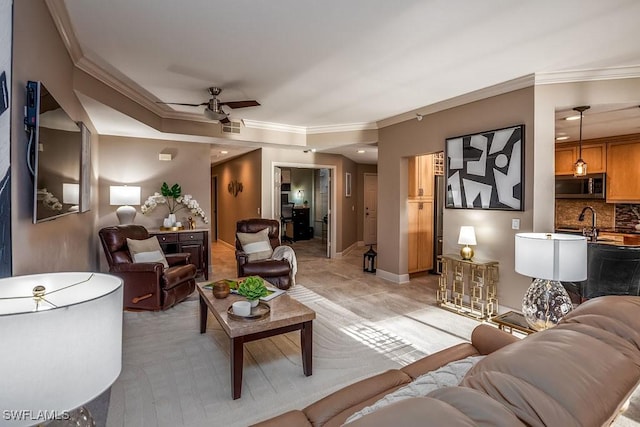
{"x":515,"y":224}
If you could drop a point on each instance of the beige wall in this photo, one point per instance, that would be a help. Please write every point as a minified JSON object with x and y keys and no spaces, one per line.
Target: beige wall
{"x":493,"y":228}
{"x":134,"y":161}
{"x":244,"y":169}
{"x":67,"y":243}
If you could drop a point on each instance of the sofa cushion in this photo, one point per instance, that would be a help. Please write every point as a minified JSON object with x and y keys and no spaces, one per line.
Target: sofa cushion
{"x":147,"y":250}
{"x":551,"y":376}
{"x":256,"y":245}
{"x":446,"y":376}
{"x":426,"y":411}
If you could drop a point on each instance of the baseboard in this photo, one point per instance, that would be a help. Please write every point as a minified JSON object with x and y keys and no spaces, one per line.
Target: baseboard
{"x":392,"y":277}
{"x":346,"y":251}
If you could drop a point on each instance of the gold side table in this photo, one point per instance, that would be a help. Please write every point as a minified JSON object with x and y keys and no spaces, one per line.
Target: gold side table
{"x":468,"y":287}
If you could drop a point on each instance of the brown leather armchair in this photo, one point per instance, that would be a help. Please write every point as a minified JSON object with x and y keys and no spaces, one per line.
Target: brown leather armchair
{"x":147,"y":285}
{"x":276,"y":272}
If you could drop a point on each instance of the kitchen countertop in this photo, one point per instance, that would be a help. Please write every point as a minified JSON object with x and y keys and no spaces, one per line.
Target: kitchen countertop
{"x":574,"y":229}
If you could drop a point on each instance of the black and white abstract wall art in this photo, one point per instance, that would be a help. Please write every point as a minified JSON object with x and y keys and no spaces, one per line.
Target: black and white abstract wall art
{"x":485,"y":170}
{"x":6,"y":18}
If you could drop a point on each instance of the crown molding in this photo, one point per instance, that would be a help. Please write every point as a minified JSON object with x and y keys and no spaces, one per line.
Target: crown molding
{"x":277,"y":127}
{"x":575,"y":76}
{"x":348,"y":127}
{"x":62,"y":21}
{"x":477,"y":95}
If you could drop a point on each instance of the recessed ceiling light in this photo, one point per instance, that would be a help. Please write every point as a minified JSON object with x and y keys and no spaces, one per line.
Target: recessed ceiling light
{"x":573,"y":117}
{"x":224,"y":152}
{"x":360,"y":151}
{"x":562,"y":138}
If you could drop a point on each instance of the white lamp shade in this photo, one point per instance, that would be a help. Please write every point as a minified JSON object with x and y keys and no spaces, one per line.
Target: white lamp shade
{"x":70,"y":193}
{"x":120,"y":195}
{"x":58,"y":358}
{"x":467,"y":235}
{"x":549,"y":256}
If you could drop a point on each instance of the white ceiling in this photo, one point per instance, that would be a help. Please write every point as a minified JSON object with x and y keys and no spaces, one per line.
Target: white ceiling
{"x":328,"y":63}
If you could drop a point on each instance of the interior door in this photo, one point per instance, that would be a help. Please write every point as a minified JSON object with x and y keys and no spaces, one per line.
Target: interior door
{"x":370,"y":209}
{"x":277,"y":189}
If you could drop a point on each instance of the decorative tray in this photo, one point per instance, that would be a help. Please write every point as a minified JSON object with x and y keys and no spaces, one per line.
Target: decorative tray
{"x":171,"y":228}
{"x":260,"y":311}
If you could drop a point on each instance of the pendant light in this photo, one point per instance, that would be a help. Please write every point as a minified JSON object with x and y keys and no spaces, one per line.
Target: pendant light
{"x":580,"y":167}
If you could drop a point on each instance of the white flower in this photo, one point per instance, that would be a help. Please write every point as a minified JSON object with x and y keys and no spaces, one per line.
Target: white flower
{"x":181,"y":202}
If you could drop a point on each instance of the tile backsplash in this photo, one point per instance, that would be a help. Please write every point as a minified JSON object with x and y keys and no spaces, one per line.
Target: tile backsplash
{"x":627,"y":215}
{"x":609,"y":215}
{"x":568,"y":210}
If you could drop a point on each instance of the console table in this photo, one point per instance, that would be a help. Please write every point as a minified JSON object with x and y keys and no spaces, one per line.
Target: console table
{"x":194,"y":242}
{"x":468,"y":287}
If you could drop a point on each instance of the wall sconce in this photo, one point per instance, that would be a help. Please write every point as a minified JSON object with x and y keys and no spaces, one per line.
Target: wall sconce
{"x":124,"y":196}
{"x":467,"y":237}
{"x":71,"y":195}
{"x":300,"y":194}
{"x":165,"y":157}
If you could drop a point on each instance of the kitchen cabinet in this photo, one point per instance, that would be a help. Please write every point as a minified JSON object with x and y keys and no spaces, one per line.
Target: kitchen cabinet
{"x":194,"y":242}
{"x":421,"y":177}
{"x":623,"y":172}
{"x":594,"y":155}
{"x":420,"y":238}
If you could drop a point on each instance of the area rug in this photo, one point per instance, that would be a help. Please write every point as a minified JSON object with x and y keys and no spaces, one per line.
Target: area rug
{"x":174,"y":376}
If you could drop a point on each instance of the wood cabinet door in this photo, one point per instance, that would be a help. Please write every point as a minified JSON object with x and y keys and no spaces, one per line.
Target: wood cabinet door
{"x":412,"y":237}
{"x":421,"y":177}
{"x":623,"y":172}
{"x":420,"y":236}
{"x":595,"y":155}
{"x":197,"y":254}
{"x":565,"y":158}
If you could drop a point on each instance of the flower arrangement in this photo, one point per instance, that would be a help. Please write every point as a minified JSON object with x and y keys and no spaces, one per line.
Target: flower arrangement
{"x":49,"y":200}
{"x":173,"y":199}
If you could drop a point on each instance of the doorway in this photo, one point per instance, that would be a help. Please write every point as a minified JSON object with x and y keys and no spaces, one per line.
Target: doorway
{"x":306,"y":190}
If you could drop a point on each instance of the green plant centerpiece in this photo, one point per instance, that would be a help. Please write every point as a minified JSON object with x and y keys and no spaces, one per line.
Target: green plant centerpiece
{"x":253,"y":288}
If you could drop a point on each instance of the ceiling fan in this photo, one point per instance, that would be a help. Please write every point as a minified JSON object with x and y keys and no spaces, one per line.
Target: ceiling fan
{"x":213,"y":109}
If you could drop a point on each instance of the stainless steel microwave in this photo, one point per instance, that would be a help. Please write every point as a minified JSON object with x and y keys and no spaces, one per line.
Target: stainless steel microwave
{"x":592,"y":186}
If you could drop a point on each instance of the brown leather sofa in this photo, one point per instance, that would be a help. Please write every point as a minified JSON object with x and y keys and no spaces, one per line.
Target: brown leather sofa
{"x":147,"y":285}
{"x":276,"y":272}
{"x":580,"y":373}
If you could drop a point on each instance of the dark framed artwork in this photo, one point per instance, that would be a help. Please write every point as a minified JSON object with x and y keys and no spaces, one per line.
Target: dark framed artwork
{"x":486,"y":170}
{"x":6,"y":21}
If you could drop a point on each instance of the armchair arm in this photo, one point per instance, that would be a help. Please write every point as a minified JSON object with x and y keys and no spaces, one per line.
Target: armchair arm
{"x":142,"y":283}
{"x":241,"y":259}
{"x":180,"y":258}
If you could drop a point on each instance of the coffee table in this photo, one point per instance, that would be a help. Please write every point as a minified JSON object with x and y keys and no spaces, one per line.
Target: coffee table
{"x":286,"y":315}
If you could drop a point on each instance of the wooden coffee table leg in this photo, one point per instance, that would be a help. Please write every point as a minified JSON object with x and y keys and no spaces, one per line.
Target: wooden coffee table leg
{"x":237,"y":355}
{"x":203,"y":315}
{"x":306,"y":342}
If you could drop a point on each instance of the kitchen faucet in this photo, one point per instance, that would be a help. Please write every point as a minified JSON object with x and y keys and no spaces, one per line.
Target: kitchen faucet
{"x":591,"y":233}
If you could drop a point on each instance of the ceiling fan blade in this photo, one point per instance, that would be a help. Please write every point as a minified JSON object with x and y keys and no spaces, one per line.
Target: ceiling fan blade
{"x":182,"y":103}
{"x":225,"y":120}
{"x":240,"y":104}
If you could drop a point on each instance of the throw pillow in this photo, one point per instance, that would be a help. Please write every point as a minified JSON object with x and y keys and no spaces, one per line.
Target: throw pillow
{"x":447,"y":376}
{"x":147,"y":250}
{"x":256,"y":245}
